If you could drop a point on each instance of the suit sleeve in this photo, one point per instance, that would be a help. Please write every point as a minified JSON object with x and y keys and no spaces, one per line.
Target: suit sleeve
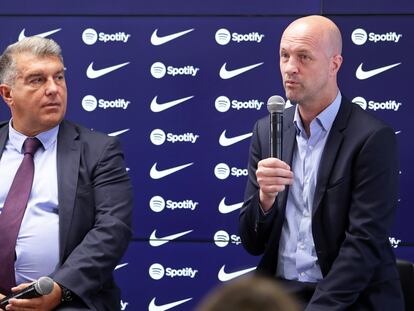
{"x":254,"y":226}
{"x":373,"y":200}
{"x":90,"y":264}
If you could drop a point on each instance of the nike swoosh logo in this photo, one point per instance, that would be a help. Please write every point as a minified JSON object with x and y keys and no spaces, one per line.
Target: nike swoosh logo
{"x":121,"y":266}
{"x":225,"y":209}
{"x":93,"y":74}
{"x":362,"y":74}
{"x":118,"y":132}
{"x":154,"y":241}
{"x":43,"y":34}
{"x":153,"y":307}
{"x":228,"y":74}
{"x":225,"y":141}
{"x":156,"y":107}
{"x":397,"y":132}
{"x":157,"y":40}
{"x":224,"y":277}
{"x":156,"y":174}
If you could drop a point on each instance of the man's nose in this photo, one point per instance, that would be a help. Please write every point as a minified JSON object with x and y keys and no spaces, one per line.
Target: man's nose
{"x":291,"y":66}
{"x":51,"y":87}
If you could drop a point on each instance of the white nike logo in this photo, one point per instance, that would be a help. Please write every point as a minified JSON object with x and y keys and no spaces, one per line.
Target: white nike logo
{"x":228,"y":74}
{"x":121,"y":266}
{"x":118,"y":132}
{"x":43,"y":34}
{"x":362,"y":74}
{"x":225,"y":209}
{"x":156,"y":40}
{"x":397,"y":132}
{"x":153,"y":307}
{"x":156,"y":174}
{"x":156,"y":107}
{"x":224,"y":141}
{"x":93,"y":74}
{"x":224,"y":277}
{"x":154,"y":241}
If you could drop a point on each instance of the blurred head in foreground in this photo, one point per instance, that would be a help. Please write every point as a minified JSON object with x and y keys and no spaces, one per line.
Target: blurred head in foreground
{"x":248,"y":294}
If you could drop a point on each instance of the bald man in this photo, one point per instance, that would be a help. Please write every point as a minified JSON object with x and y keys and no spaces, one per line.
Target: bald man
{"x":321,"y":215}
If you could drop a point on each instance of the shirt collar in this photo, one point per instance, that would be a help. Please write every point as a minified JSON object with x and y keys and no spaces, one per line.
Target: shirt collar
{"x":47,"y":138}
{"x":325,"y":119}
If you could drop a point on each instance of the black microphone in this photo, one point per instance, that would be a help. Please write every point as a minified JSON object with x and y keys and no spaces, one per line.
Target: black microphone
{"x":276,"y":106}
{"x":42,"y":286}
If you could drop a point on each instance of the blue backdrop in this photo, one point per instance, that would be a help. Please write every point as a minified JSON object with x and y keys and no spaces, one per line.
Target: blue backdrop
{"x":160,"y":75}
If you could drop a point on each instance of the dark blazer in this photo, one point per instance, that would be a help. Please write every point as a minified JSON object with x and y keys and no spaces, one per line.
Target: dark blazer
{"x":95,"y":205}
{"x":353,"y":210}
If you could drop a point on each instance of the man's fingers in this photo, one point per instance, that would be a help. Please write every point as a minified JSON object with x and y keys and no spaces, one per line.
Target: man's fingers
{"x":274,"y":172}
{"x":23,"y":304}
{"x":273,"y":163}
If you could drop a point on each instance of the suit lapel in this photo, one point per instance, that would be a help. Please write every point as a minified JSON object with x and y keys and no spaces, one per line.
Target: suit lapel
{"x":68,"y":156}
{"x":4,"y":131}
{"x":330,"y":152}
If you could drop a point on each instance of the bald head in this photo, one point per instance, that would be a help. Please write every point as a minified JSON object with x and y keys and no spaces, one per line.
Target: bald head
{"x":317,"y":28}
{"x":310,"y":58}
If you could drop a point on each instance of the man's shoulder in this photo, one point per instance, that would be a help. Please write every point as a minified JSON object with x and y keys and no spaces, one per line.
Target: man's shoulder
{"x":82,"y":131}
{"x":364,"y":120}
{"x":3,"y":124}
{"x":72,"y":131}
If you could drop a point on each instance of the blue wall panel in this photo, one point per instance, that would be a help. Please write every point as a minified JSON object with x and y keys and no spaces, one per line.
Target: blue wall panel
{"x":128,"y":102}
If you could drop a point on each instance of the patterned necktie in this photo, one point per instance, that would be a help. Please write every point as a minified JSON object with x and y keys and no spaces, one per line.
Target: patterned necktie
{"x":12,"y":214}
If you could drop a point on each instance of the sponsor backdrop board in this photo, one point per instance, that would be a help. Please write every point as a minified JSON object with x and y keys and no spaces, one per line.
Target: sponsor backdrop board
{"x":182,"y":94}
{"x":368,"y":7}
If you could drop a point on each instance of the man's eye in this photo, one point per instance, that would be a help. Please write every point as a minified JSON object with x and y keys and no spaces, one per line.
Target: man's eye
{"x":60,"y":77}
{"x":36,"y":81}
{"x":284,"y":56}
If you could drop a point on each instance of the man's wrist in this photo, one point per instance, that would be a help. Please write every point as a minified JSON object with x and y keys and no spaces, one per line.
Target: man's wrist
{"x":66,"y":295}
{"x":266,"y":201}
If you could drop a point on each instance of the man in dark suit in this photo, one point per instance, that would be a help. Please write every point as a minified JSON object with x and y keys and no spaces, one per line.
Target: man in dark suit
{"x":77,"y":222}
{"x":321,"y":215}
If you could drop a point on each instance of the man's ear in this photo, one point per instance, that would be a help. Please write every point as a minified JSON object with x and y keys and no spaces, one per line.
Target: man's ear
{"x":6,"y":93}
{"x":336,"y":64}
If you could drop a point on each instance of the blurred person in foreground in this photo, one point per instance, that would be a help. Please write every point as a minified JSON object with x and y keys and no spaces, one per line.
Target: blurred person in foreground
{"x":76,"y":223}
{"x":248,"y":294}
{"x":321,"y":215}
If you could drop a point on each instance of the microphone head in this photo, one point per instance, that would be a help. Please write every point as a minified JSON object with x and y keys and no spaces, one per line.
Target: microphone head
{"x":276,"y":104}
{"x":44,"y":285}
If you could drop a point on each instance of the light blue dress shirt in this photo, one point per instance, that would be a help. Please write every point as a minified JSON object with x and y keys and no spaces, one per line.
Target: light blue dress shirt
{"x":37,"y":246}
{"x":297,"y":256}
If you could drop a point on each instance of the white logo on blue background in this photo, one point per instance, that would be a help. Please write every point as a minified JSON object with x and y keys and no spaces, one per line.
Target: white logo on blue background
{"x":222,"y":103}
{"x":89,"y":103}
{"x":156,"y":271}
{"x":89,"y":36}
{"x":221,"y":238}
{"x":223,"y":36}
{"x":157,"y":203}
{"x":360,"y":101}
{"x":222,"y":171}
{"x":359,"y":36}
{"x":158,"y":70}
{"x":157,"y":137}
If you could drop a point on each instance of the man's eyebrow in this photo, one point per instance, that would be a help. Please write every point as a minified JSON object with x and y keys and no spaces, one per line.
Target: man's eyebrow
{"x":34,"y":74}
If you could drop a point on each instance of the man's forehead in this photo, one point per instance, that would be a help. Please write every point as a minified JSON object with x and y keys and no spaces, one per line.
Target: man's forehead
{"x":299,"y":43}
{"x":29,"y":62}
